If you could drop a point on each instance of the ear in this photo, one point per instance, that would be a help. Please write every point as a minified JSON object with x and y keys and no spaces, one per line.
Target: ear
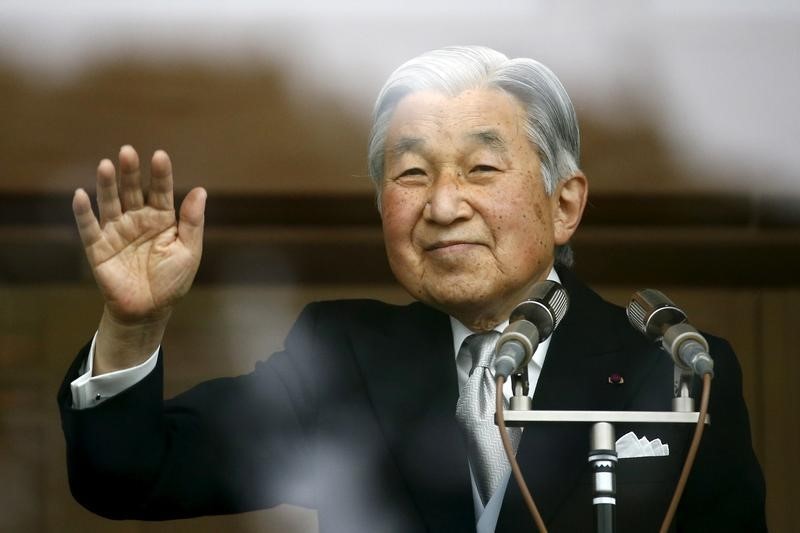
{"x":568,"y":202}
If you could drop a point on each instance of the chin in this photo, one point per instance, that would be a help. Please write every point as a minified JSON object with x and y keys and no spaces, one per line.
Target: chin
{"x":458,"y":302}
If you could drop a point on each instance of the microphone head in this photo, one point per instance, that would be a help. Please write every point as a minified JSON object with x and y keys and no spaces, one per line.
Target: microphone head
{"x":652,"y":313}
{"x":545,"y":307}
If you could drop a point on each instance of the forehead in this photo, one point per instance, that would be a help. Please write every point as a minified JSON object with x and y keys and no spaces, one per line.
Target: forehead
{"x":429,"y":114}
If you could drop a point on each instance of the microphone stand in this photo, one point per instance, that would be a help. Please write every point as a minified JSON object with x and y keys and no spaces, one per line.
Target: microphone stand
{"x":602,"y":454}
{"x":603,"y":458}
{"x":520,"y":384}
{"x":682,"y":388}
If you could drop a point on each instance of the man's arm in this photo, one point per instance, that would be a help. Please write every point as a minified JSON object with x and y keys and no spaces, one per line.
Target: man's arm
{"x":144,"y":259}
{"x":227,"y":445}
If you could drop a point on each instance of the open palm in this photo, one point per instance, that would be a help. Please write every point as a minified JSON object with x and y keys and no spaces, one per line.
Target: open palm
{"x":143,"y":257}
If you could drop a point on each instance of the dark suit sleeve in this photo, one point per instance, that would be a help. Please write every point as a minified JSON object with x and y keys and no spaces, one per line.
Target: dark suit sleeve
{"x":726,"y":491}
{"x":227,"y":445}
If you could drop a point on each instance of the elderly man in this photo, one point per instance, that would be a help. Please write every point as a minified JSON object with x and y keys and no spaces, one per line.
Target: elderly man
{"x":475,"y":161}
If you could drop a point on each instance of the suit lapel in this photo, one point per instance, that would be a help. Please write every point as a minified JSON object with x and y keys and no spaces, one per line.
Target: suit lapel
{"x":410,"y":375}
{"x":592,"y":343}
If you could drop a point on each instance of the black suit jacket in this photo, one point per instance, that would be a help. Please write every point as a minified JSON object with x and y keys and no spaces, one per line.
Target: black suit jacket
{"x":355,"y":418}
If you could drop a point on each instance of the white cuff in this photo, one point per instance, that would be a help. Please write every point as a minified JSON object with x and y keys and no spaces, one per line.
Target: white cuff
{"x":88,"y":390}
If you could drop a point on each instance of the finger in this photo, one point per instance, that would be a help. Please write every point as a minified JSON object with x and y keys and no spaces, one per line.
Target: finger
{"x":160,"y":195}
{"x":107,"y":195}
{"x":88,"y":227}
{"x":130,"y":184}
{"x":192,"y":218}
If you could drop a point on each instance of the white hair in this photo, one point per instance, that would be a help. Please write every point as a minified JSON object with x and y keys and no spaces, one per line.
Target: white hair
{"x":551,"y":124}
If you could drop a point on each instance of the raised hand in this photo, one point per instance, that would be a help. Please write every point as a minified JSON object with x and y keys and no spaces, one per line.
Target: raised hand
{"x":143,"y":258}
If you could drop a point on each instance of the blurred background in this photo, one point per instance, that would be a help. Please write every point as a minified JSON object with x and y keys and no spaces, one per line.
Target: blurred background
{"x":689,"y":118}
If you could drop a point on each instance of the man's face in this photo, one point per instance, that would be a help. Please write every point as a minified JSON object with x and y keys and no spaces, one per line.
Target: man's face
{"x":467,"y":223}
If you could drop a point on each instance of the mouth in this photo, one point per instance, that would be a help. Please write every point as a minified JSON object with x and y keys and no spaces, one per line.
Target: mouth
{"x":451,"y":245}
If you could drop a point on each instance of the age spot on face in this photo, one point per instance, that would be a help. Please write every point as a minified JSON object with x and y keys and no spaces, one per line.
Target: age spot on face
{"x":537,"y":209}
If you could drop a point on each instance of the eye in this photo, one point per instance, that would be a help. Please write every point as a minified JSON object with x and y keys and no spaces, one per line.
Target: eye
{"x":412,"y":176}
{"x":416,"y":171}
{"x":483,"y":168}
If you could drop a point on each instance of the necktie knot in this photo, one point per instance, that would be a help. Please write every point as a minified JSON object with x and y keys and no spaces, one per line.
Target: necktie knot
{"x":478,"y":350}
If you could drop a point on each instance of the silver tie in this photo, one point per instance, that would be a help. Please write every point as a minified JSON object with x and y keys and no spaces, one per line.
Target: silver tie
{"x":475,"y":414}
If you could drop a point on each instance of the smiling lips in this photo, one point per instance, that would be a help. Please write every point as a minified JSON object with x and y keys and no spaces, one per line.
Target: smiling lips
{"x":451,"y":245}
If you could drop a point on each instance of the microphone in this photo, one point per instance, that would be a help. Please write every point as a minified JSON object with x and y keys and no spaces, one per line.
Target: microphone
{"x":658,"y":318}
{"x":531,"y":322}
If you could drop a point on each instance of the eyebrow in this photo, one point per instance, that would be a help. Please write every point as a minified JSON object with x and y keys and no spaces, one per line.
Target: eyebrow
{"x":406,"y":144}
{"x":491,"y":139}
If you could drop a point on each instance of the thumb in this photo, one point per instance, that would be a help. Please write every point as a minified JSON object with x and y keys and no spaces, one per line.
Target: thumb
{"x":192,"y":218}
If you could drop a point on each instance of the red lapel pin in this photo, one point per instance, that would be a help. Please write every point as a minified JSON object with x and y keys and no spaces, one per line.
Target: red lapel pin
{"x":616,"y":379}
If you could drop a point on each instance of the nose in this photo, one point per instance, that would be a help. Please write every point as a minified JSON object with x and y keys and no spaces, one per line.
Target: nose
{"x":447,"y":200}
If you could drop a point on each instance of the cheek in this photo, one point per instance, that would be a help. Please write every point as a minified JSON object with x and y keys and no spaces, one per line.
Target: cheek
{"x":519,"y":214}
{"x":524,"y":230}
{"x":399,"y":214}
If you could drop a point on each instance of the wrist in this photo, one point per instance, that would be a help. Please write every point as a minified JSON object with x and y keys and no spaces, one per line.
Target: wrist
{"x":124,"y":344}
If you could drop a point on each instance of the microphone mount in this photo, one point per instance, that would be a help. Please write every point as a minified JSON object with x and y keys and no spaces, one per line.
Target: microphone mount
{"x":531,"y":322}
{"x":660,"y":320}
